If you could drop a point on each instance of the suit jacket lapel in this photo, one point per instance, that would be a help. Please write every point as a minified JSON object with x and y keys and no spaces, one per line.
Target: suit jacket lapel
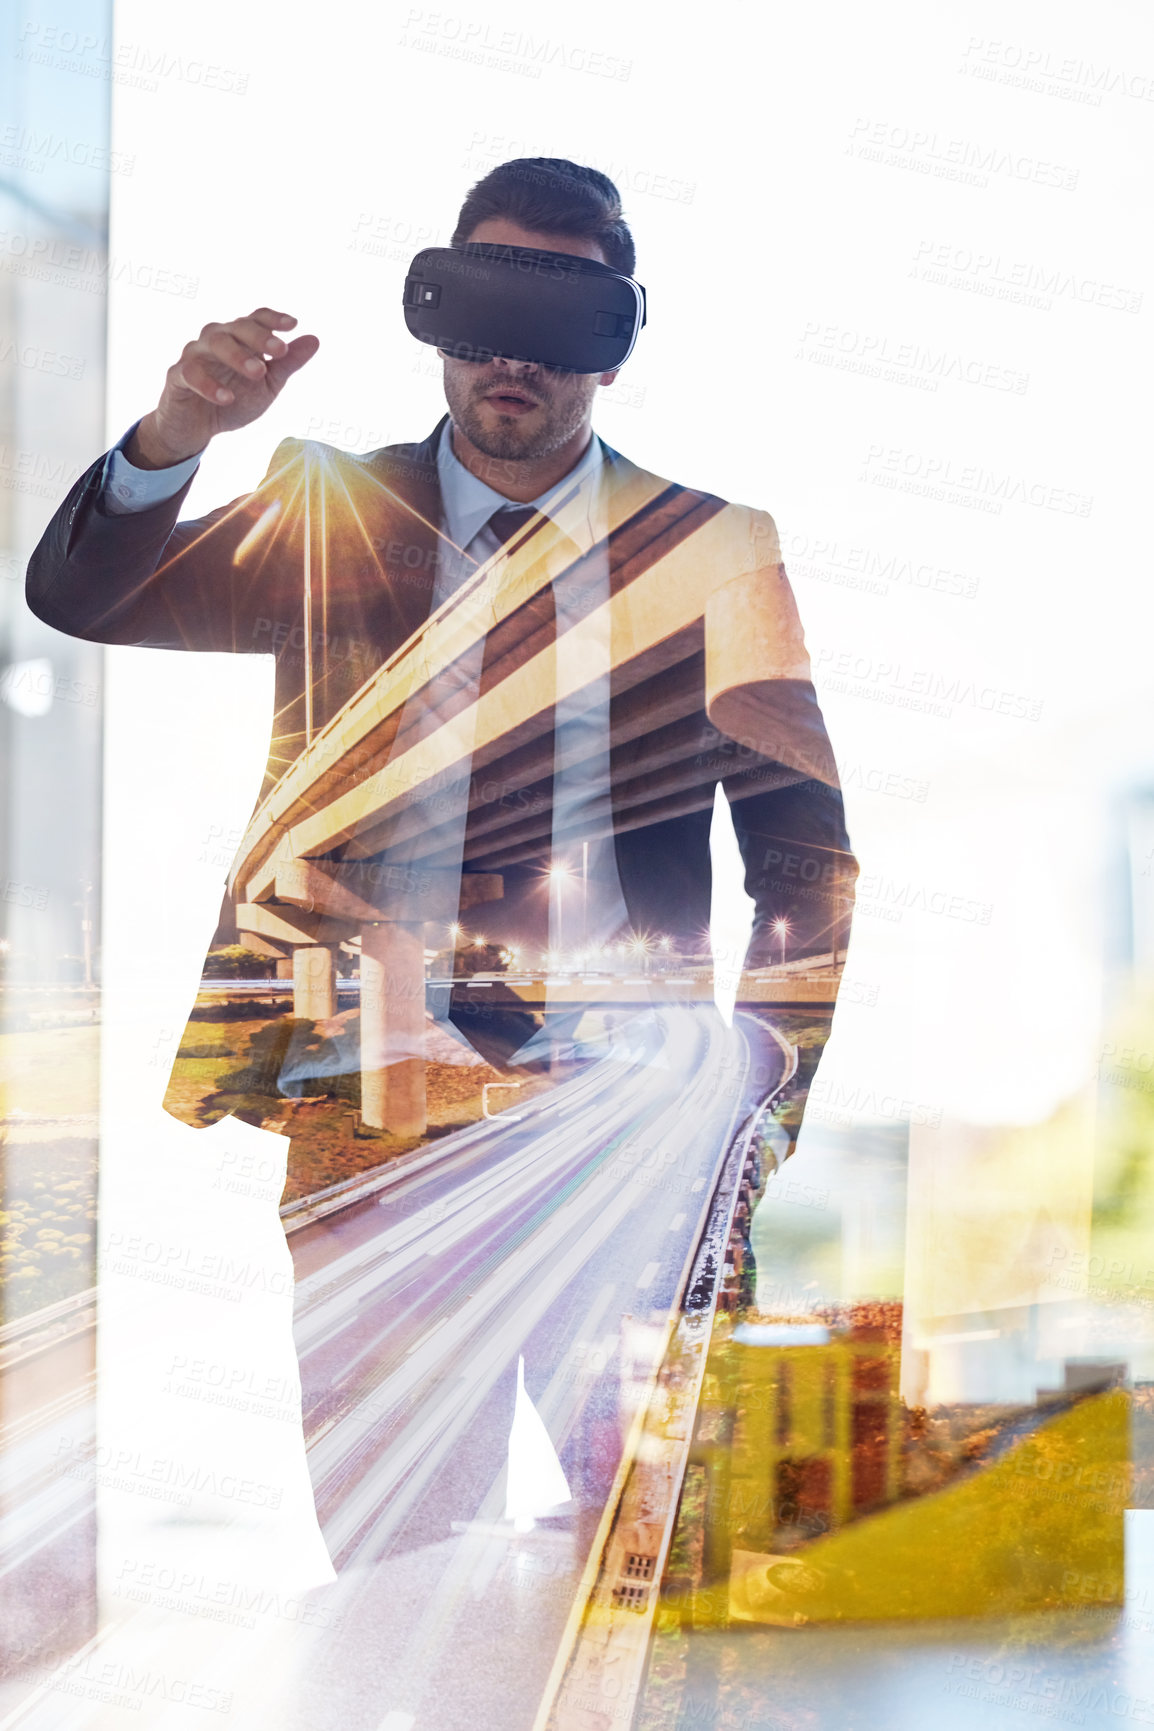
{"x":403,"y":485}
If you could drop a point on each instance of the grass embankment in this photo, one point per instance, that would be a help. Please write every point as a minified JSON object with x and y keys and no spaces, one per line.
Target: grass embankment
{"x":230,"y":1065}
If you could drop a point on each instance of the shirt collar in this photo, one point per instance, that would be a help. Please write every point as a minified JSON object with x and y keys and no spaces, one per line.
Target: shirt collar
{"x":467,"y":502}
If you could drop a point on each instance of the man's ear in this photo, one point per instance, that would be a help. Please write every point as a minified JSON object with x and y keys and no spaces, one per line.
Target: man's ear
{"x":608,"y":378}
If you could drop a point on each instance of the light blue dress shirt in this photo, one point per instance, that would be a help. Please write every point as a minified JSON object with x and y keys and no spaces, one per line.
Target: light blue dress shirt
{"x":125,"y":488}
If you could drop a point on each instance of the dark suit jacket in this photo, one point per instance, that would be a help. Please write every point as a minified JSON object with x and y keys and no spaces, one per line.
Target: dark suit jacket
{"x":366,"y":529}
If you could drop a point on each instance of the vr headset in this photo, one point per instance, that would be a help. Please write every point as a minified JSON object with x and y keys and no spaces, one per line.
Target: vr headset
{"x":482,"y":300}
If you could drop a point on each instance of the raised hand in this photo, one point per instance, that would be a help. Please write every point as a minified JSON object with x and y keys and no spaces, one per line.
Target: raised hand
{"x":225,"y":378}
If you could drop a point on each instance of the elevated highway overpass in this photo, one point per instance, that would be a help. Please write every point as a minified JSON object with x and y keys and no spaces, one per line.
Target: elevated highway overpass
{"x":436,"y":776}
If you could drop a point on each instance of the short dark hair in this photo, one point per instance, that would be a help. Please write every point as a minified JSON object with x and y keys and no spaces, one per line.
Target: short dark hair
{"x":553,"y":196}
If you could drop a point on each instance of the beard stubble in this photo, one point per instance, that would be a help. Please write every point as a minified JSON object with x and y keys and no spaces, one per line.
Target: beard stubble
{"x":509,"y":440}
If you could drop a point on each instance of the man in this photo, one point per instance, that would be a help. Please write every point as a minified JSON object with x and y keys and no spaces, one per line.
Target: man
{"x":512,"y":667}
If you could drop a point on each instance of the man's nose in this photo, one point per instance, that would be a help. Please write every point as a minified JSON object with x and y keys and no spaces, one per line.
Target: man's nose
{"x":519,"y":367}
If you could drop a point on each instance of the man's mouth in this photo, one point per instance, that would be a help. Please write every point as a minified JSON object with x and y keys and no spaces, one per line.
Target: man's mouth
{"x":512,"y":401}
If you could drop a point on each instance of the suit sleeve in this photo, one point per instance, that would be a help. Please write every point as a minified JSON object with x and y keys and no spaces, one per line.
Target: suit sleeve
{"x":799,"y":869}
{"x":774,"y":755}
{"x":782,"y":785}
{"x":152,"y":581}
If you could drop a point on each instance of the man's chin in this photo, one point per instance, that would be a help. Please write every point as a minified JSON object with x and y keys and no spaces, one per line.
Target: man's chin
{"x":508,"y":439}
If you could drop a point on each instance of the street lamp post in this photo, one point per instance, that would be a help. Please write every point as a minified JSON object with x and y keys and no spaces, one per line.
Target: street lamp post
{"x":781,"y":927}
{"x":558,"y":872}
{"x":585,"y":895}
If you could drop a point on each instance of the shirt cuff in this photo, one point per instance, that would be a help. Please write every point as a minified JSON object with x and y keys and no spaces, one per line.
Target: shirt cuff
{"x":125,"y":488}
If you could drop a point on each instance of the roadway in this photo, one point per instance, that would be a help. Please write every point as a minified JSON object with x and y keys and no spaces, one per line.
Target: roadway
{"x":561,"y":1236}
{"x":564,"y":1238}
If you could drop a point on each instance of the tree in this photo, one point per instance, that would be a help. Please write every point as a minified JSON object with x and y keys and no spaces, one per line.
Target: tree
{"x":234,"y":962}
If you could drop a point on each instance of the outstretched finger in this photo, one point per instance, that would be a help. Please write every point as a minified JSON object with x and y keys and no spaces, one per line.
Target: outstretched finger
{"x":272,"y":320}
{"x":300,"y":350}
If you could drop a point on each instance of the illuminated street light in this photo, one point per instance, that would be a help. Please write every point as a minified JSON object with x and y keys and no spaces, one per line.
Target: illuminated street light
{"x":455,"y":932}
{"x":639,"y":949}
{"x":781,"y":927}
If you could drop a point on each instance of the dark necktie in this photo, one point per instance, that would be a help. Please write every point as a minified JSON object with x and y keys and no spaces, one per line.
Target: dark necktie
{"x":540,"y":627}
{"x":576,"y":748}
{"x":530,"y":630}
{"x":509,"y":519}
{"x":528,"y":633}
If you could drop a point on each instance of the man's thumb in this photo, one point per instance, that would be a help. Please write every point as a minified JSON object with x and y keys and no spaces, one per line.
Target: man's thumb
{"x":300,"y":350}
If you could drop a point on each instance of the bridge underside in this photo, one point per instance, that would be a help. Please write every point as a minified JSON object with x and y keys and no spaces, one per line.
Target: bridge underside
{"x":436,"y":779}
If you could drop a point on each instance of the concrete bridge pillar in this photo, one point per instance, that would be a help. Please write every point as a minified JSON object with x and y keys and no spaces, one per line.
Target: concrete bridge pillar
{"x":393,"y":1028}
{"x":314,"y":982}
